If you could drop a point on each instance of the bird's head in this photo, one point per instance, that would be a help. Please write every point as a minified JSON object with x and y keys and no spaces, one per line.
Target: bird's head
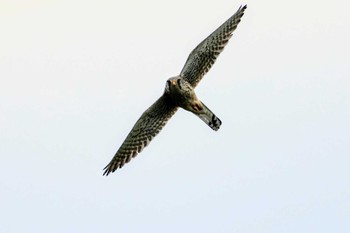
{"x":173,"y":84}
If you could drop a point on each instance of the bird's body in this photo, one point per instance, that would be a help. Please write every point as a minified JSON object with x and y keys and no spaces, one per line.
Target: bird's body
{"x":182,"y":95}
{"x":179,"y":92}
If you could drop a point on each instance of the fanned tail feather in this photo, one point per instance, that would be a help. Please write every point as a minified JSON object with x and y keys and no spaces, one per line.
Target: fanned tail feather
{"x":209,"y":118}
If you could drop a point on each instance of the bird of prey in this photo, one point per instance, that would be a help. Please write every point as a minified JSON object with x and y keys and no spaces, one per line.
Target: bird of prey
{"x":179,"y":92}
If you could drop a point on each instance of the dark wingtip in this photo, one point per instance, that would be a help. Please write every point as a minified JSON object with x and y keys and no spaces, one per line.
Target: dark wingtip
{"x":107,"y":170}
{"x":242,"y":9}
{"x":106,"y":173}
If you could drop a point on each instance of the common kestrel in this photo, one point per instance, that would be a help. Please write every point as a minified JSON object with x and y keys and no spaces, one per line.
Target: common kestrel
{"x":179,"y":92}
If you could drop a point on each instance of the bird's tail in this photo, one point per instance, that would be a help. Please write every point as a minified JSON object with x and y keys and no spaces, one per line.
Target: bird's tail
{"x":209,"y":118}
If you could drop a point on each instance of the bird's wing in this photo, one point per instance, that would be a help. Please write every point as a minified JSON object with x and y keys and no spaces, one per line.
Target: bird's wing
{"x":144,"y":130}
{"x":204,"y":55}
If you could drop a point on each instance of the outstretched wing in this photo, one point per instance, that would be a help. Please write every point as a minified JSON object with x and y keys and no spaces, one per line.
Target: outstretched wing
{"x":146,"y":127}
{"x":204,"y":55}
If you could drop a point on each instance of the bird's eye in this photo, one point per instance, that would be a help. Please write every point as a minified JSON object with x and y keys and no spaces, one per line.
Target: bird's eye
{"x":179,"y":83}
{"x":167,"y":86}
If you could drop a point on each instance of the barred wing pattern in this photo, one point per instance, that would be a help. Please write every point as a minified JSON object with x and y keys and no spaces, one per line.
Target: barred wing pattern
{"x":204,"y":55}
{"x":145,"y":129}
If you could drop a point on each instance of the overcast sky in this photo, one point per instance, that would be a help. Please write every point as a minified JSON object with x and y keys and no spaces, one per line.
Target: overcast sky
{"x":75,"y":76}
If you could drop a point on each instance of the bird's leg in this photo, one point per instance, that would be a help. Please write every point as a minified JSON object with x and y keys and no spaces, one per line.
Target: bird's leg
{"x":197,"y":106}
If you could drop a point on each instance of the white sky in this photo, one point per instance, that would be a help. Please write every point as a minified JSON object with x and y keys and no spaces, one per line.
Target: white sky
{"x":76,"y":75}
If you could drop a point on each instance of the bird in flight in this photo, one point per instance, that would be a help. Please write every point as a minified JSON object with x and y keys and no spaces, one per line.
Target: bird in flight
{"x":179,"y":92}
